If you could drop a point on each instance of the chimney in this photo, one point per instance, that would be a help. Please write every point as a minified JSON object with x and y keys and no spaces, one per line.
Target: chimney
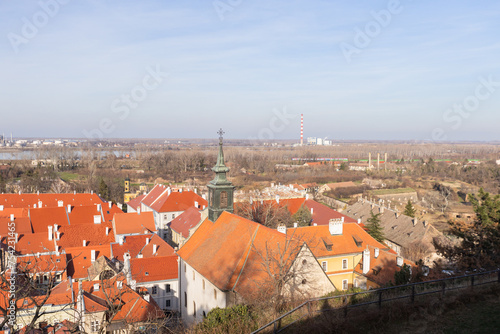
{"x":312,"y":211}
{"x":307,"y":196}
{"x":92,"y":192}
{"x":58,"y":235}
{"x":278,"y":199}
{"x":366,"y":261}
{"x":146,"y":298}
{"x":107,"y":230}
{"x":196,"y":204}
{"x":399,"y":261}
{"x":415,"y":221}
{"x":92,"y":255}
{"x":335,"y":226}
{"x":147,"y":241}
{"x":381,"y":209}
{"x":155,"y":248}
{"x":295,"y":225}
{"x":126,"y":268}
{"x":314,"y":224}
{"x":140,"y":256}
{"x":359,"y":220}
{"x":397,"y":214}
{"x":180,"y":190}
{"x":425,"y":223}
{"x":196,"y":190}
{"x":96,"y":286}
{"x":69,"y":208}
{"x":60,"y":204}
{"x":40,"y":204}
{"x":99,"y":207}
{"x":74,"y":192}
{"x":169,"y":191}
{"x":84,"y":243}
{"x":272,"y":185}
{"x":204,"y":196}
{"x":1,"y":207}
{"x":282,"y":228}
{"x":11,"y":217}
{"x":138,"y":210}
{"x":121,"y":239}
{"x":50,"y":232}
{"x":97,"y":219}
{"x":110,"y":204}
{"x":376,"y":253}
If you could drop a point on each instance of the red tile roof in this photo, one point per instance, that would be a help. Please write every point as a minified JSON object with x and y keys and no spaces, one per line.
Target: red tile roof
{"x":93,"y":234}
{"x":17,"y":212}
{"x":48,"y":200}
{"x":229,"y":252}
{"x":21,"y":225}
{"x":134,"y":223}
{"x":136,"y":202}
{"x":32,"y":243}
{"x":153,"y":269}
{"x":186,"y":221}
{"x":132,"y":244}
{"x":79,"y":259}
{"x":178,"y":201}
{"x":84,"y":214}
{"x":162,"y":247}
{"x":154,"y":194}
{"x":322,"y":214}
{"x":42,"y":263}
{"x":41,"y":218}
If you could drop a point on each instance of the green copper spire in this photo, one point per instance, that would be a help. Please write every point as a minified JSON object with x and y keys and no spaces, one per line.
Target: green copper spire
{"x":220,"y":189}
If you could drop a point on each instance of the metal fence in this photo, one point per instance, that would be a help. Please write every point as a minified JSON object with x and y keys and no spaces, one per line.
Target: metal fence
{"x":378,"y":297}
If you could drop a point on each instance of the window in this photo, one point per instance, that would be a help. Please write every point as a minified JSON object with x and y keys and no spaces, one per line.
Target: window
{"x":94,"y":326}
{"x":344,"y":264}
{"x":154,"y":290}
{"x":194,"y":309}
{"x":345,"y":285}
{"x":173,"y":215}
{"x":304,"y":281}
{"x":223,"y":199}
{"x":167,"y":288}
{"x":167,"y":303}
{"x":356,"y":283}
{"x":215,"y":294}
{"x":185,"y":299}
{"x":323,"y":265}
{"x":304,"y":262}
{"x":165,"y":216}
{"x":203,"y":283}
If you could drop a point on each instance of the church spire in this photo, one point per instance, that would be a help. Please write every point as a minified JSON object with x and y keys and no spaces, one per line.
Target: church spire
{"x":220,"y":189}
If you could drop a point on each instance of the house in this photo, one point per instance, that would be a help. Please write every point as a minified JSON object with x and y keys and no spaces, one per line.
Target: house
{"x":341,"y":249}
{"x":405,"y":235}
{"x":336,"y":185}
{"x":183,"y":226}
{"x":234,"y":259}
{"x":125,"y":224}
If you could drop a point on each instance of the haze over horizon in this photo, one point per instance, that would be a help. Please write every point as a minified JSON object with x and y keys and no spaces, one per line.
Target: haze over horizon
{"x":369,"y":70}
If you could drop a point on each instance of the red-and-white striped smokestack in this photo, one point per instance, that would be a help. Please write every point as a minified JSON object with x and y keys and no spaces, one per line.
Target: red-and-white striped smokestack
{"x":301,"y":129}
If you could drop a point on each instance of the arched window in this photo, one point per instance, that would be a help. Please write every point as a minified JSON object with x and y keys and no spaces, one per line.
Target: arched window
{"x":223,"y":199}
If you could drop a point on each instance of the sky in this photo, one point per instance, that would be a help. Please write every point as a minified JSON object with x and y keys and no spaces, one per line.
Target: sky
{"x":356,"y":70}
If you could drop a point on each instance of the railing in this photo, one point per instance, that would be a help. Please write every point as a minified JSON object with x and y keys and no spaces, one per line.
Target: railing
{"x":379,"y":296}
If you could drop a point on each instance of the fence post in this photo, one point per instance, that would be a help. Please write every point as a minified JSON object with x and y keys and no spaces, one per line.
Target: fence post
{"x":379,"y":299}
{"x":309,"y":308}
{"x":443,"y":288}
{"x":472,"y":282}
{"x":346,"y":304}
{"x":275,"y":328}
{"x":413,"y":293}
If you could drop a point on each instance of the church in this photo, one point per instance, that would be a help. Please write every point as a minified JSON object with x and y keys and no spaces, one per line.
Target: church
{"x":231,"y":260}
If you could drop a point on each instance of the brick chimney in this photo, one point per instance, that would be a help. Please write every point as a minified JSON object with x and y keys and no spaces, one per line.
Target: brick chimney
{"x":282,"y":228}
{"x":336,"y":226}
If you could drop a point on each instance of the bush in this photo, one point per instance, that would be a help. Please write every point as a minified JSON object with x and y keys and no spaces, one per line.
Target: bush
{"x":229,"y":320}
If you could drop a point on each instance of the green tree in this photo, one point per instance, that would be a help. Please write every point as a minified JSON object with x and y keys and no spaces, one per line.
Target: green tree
{"x":103,"y":189}
{"x":479,"y":245}
{"x":303,"y":216}
{"x":403,"y":276}
{"x":409,"y":210}
{"x":373,"y":227}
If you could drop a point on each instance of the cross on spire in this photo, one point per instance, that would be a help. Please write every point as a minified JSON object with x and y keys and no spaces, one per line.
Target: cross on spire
{"x":220,"y":133}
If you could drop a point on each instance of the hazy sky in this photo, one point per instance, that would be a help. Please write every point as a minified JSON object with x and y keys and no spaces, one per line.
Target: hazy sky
{"x":355,"y":69}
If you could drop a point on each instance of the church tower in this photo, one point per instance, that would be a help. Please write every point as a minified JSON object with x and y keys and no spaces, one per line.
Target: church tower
{"x":220,"y":189}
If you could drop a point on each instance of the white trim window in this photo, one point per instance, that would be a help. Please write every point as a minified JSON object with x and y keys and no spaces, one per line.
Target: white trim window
{"x":94,"y":326}
{"x":345,"y":263}
{"x":324,"y":266}
{"x":345,"y":284}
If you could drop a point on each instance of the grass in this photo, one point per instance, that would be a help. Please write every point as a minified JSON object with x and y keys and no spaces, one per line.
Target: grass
{"x":66,"y":176}
{"x":392,"y":191}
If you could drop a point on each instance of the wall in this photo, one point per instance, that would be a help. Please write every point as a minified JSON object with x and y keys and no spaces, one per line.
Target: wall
{"x":162,"y":295}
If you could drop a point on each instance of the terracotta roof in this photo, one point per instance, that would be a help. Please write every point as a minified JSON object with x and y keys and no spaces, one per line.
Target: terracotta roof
{"x":93,"y":234}
{"x":48,"y":200}
{"x":17,"y":212}
{"x":178,"y":201}
{"x":382,"y":268}
{"x":153,"y":269}
{"x":186,"y":221}
{"x":322,"y":214}
{"x":134,"y":223}
{"x":41,"y":218}
{"x":154,"y":194}
{"x":110,"y":213}
{"x":22,"y":225}
{"x":162,"y":247}
{"x":132,"y":244}
{"x":317,"y":238}
{"x":32,"y":243}
{"x":79,"y":259}
{"x":228,"y":252}
{"x":136,"y":202}
{"x":84,"y":214}
{"x":42,"y":263}
{"x":341,"y":185}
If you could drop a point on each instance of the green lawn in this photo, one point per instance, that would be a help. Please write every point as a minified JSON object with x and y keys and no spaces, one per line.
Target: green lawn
{"x":67,"y":176}
{"x":392,"y":191}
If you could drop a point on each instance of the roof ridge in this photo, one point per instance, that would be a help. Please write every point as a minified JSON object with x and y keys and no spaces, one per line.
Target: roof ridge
{"x":246,"y":258}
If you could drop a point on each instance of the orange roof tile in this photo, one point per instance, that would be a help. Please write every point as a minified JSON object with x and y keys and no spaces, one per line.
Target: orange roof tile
{"x":186,"y":221}
{"x":178,"y":201}
{"x":21,"y":225}
{"x":162,"y":248}
{"x":48,"y":200}
{"x":41,"y":218}
{"x":315,"y":237}
{"x":17,"y":212}
{"x":229,"y":252}
{"x":136,"y":202}
{"x":32,"y":243}
{"x":93,"y":234}
{"x":153,"y":269}
{"x":79,"y":259}
{"x":322,"y":214}
{"x":154,"y":194}
{"x":134,"y":223}
{"x":42,"y":263}
{"x":132,"y":244}
{"x":84,"y":214}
